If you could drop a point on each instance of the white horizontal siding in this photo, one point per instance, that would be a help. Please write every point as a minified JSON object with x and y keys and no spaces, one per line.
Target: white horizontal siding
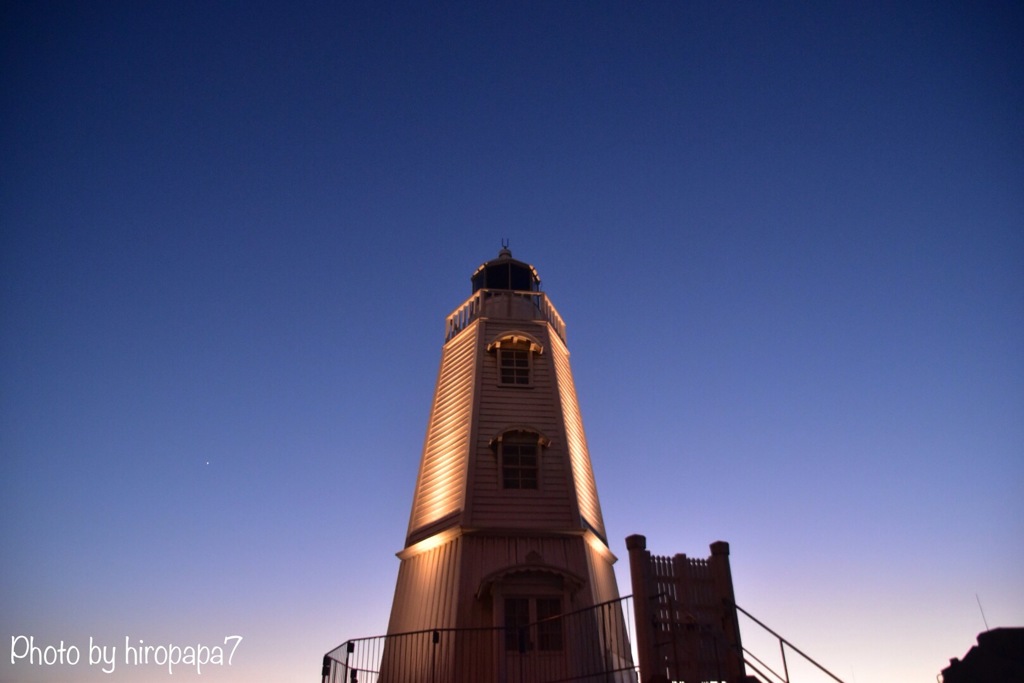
{"x":579,"y":455}
{"x":440,"y":488}
{"x":503,"y":407}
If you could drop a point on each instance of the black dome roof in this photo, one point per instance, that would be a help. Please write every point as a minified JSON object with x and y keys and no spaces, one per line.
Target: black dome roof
{"x":505,"y":272}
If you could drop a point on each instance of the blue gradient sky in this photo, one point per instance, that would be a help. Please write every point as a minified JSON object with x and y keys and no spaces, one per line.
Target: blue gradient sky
{"x":788,"y":241}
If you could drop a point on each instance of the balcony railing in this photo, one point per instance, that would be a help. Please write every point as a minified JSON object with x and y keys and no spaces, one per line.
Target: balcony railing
{"x":592,"y":645}
{"x":504,"y":303}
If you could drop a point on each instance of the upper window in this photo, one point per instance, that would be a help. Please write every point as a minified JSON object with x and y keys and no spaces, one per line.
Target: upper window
{"x":514,"y":366}
{"x":515,"y":354}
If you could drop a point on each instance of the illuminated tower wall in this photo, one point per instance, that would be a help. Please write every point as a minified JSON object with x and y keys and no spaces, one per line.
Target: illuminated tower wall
{"x":506,"y":525}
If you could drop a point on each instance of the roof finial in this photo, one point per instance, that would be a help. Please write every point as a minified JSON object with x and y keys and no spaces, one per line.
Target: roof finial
{"x":505,"y":251}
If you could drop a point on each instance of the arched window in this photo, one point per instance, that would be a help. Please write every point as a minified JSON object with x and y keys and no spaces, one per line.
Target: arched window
{"x":533,"y":623}
{"x":514,"y":365}
{"x":515,"y":352}
{"x":519,"y":455}
{"x":529,"y":601}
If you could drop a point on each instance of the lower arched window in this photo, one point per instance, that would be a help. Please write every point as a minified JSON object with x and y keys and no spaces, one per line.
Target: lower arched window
{"x":519,"y":453}
{"x":533,"y":623}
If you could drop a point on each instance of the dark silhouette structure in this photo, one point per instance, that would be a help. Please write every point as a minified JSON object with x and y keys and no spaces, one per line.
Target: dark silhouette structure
{"x":997,"y":658}
{"x":686,"y":622}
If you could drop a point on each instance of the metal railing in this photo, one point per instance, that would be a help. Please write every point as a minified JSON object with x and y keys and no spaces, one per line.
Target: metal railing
{"x":765,"y":672}
{"x":591,"y":645}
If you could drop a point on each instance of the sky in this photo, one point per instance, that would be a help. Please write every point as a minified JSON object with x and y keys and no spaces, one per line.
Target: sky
{"x":787,"y":240}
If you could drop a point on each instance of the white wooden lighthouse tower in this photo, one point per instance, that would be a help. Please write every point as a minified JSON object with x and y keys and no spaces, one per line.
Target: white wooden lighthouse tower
{"x":506,"y":527}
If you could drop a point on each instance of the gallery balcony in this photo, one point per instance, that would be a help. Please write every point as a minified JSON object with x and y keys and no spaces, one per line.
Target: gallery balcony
{"x":505,"y":303}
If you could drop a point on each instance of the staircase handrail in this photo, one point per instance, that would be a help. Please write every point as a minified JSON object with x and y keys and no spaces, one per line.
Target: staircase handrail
{"x":782,"y":642}
{"x":773,"y":672}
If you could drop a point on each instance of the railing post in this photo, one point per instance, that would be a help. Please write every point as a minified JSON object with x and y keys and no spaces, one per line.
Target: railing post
{"x":721,"y":574}
{"x":436,"y":638}
{"x":646,"y":637}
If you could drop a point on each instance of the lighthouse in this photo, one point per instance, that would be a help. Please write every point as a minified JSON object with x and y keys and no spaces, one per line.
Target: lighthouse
{"x":506,"y":553}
